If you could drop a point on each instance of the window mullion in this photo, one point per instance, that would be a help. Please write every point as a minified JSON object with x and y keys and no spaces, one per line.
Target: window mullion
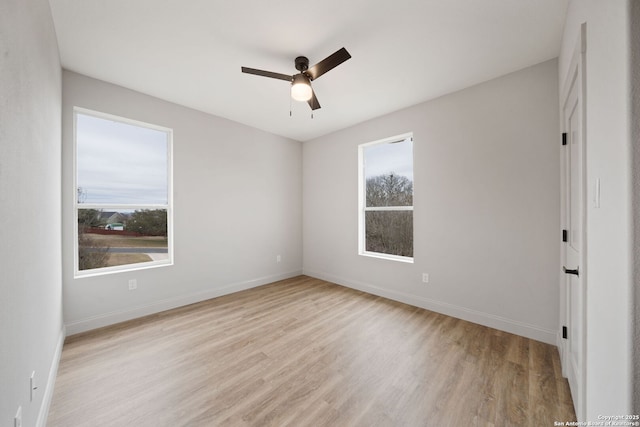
{"x":120,"y":206}
{"x":388,"y":208}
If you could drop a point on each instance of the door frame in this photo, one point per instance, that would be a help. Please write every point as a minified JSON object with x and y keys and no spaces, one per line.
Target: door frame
{"x":575,"y":76}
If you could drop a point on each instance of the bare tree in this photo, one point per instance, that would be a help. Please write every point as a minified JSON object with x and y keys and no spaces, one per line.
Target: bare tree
{"x":92,"y":253}
{"x":81,"y":196}
{"x":389,"y":190}
{"x":389,"y":232}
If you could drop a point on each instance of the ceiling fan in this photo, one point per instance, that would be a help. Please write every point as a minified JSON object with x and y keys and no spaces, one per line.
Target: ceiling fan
{"x":301,"y":83}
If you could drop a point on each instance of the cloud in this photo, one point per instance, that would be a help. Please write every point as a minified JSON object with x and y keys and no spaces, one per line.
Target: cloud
{"x":120,"y":163}
{"x":384,"y":159}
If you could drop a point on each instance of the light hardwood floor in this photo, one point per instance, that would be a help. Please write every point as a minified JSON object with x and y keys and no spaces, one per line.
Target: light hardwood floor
{"x":305,"y":352}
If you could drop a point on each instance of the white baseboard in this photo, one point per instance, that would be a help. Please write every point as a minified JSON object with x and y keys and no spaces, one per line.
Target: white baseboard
{"x":47,"y":397}
{"x":474,"y":316}
{"x":114,"y":317}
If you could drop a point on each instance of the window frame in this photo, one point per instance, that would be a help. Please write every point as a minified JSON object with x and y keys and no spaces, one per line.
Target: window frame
{"x":362,"y":204}
{"x":77,"y":206}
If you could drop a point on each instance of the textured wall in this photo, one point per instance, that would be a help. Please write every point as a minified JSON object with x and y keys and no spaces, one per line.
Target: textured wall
{"x":237,"y":205}
{"x":486,"y":205}
{"x":30,"y":277}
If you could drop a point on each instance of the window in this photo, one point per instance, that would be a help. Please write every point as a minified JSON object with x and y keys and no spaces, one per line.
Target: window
{"x":386,"y":198}
{"x":123,"y":194}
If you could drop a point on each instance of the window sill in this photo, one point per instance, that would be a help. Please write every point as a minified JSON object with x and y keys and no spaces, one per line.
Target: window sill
{"x":121,"y":269}
{"x":408,"y":260}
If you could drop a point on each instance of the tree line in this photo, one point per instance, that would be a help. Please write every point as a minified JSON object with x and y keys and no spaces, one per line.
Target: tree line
{"x":148,"y":222}
{"x":94,"y":253}
{"x":389,"y":232}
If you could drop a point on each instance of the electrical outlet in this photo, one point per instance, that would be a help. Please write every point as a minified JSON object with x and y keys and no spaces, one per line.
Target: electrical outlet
{"x":425,"y":277}
{"x":133,"y":284}
{"x":279,"y":258}
{"x":17,"y":421}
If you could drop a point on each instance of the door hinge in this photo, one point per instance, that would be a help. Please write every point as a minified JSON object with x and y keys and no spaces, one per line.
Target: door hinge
{"x":575,"y":272}
{"x":564,"y":332}
{"x":564,"y":235}
{"x":564,"y":138}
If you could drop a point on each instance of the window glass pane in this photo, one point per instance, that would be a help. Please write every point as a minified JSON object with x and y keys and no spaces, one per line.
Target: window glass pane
{"x":388,"y":171}
{"x":389,"y":232}
{"x":110,"y":238}
{"x":120,"y":163}
{"x":389,"y":190}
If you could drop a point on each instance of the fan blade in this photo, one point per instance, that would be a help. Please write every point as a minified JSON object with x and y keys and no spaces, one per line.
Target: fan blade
{"x":329,"y":63}
{"x":313,"y":102}
{"x":267,"y":74}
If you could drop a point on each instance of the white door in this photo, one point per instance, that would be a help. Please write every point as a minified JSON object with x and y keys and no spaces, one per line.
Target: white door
{"x":574,"y":219}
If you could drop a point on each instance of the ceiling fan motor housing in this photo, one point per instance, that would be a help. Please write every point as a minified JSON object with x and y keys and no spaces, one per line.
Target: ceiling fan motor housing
{"x":302,"y":63}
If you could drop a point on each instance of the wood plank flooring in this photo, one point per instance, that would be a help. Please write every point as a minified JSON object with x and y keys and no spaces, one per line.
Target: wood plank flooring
{"x":305,"y":352}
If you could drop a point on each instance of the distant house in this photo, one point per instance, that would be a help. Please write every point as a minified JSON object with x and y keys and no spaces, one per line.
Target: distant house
{"x":105,"y":215}
{"x":113,"y":220}
{"x":112,"y":217}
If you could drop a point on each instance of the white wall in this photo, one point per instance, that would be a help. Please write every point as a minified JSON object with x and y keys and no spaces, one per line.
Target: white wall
{"x":609,"y":232}
{"x":30,"y":279}
{"x":237,"y":205}
{"x":487,"y":205}
{"x":634,"y":23}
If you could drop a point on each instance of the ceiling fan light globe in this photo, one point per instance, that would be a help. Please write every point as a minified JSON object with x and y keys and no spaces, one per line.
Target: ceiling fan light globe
{"x":301,"y":91}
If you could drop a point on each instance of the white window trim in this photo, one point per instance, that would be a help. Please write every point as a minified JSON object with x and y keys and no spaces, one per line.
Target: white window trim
{"x":169,"y":206}
{"x":362,"y":208}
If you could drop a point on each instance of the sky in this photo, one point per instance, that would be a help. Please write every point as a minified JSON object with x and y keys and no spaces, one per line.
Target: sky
{"x":383,"y":159}
{"x":119,"y":163}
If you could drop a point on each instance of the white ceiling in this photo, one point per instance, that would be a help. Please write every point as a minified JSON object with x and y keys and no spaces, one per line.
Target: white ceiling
{"x":403,"y":52}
